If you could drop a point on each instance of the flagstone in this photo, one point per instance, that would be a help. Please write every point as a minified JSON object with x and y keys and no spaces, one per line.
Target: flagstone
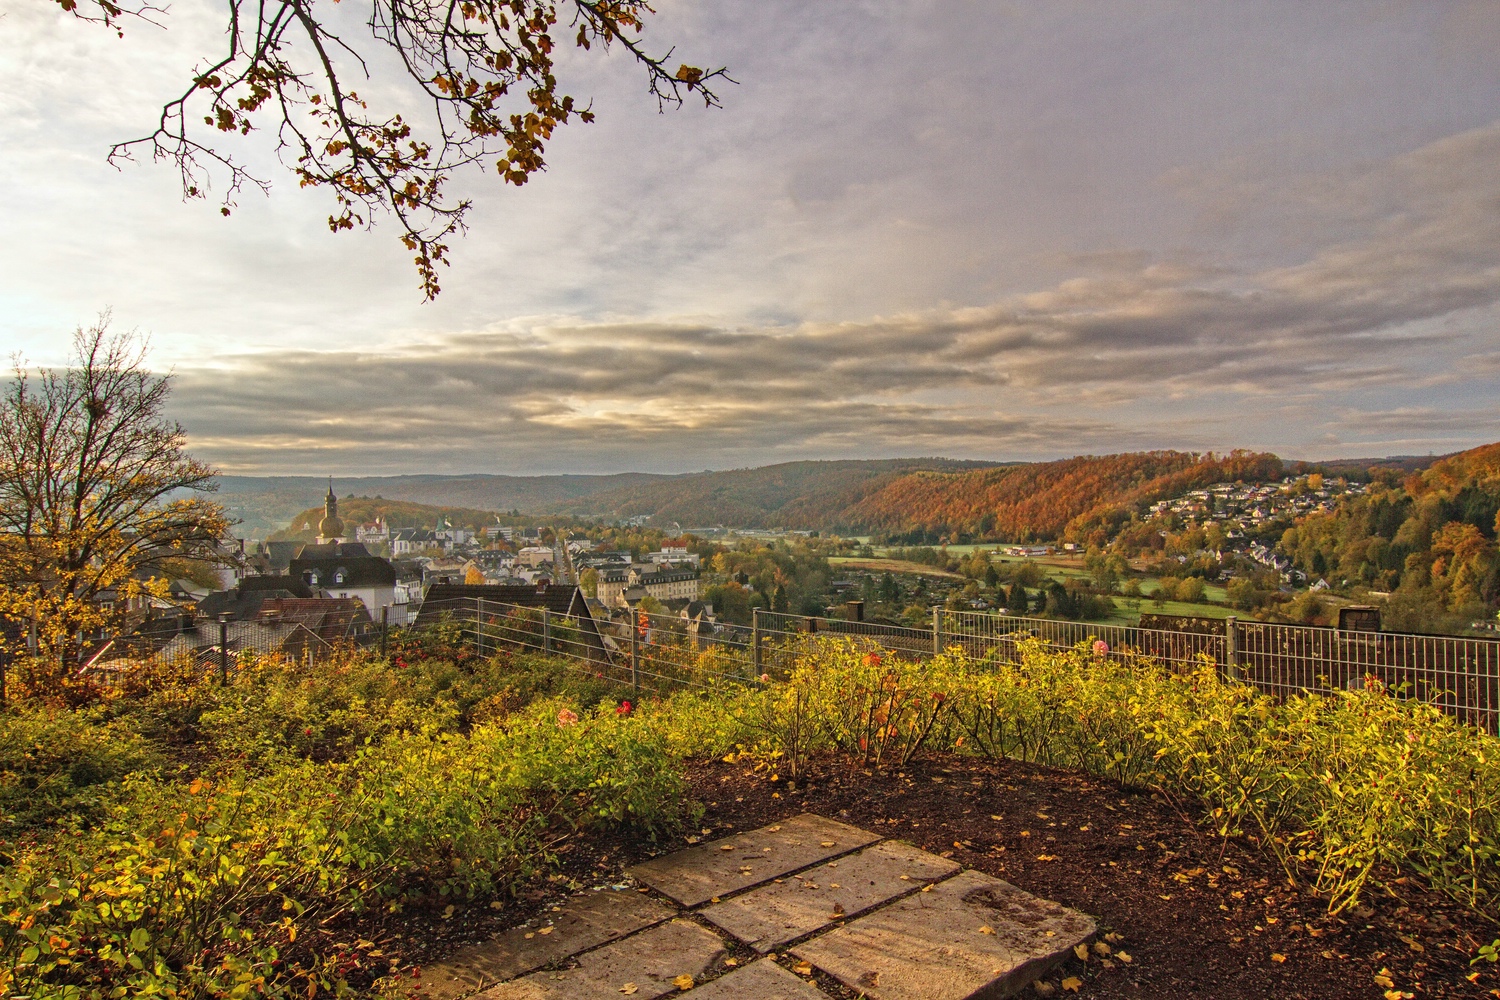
{"x":762,"y":980}
{"x":795,"y":906}
{"x":698,"y":874}
{"x":643,"y":967}
{"x":584,"y":922}
{"x":972,"y":936}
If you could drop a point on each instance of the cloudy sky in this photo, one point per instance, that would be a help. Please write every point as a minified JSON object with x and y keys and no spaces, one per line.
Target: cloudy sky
{"x":972,"y":229}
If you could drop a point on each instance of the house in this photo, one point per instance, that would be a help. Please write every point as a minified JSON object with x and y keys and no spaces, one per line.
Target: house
{"x":201,"y":641}
{"x":347,"y":569}
{"x":673,"y":555}
{"x":668,"y":584}
{"x":332,"y":619}
{"x":243,"y":603}
{"x":472,"y":603}
{"x":535,"y":556}
{"x":413,"y":540}
{"x":376,"y":532}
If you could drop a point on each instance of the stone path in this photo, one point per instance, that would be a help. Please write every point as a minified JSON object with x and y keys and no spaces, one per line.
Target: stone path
{"x":884,"y":918}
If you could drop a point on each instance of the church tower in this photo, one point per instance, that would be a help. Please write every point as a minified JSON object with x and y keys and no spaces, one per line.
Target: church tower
{"x":331,"y":528}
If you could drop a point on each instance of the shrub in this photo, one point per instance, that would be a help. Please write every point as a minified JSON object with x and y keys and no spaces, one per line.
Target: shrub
{"x":1339,"y":787}
{"x":57,"y":764}
{"x":200,"y":889}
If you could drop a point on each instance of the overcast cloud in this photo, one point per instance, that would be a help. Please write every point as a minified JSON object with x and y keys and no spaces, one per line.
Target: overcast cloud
{"x":928,"y":228}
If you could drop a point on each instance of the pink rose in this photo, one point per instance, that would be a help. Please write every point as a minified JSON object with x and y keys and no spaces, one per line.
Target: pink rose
{"x":566,"y":717}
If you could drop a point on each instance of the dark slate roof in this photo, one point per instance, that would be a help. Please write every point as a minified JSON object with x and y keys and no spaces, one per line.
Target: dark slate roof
{"x":360,"y":569}
{"x":245,"y":600}
{"x":461,"y":599}
{"x":330,"y":618}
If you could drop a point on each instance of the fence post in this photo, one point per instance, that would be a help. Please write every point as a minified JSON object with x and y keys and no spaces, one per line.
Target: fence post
{"x":385,"y":630}
{"x":635,"y":655}
{"x":31,"y":641}
{"x":755,"y":640}
{"x":224,"y":647}
{"x":546,"y":630}
{"x":1232,"y":647}
{"x":937,"y":631}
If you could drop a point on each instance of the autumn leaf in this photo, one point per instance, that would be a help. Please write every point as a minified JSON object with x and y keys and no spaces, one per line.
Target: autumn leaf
{"x":803,"y":968}
{"x":1082,"y":951}
{"x":1277,"y":957}
{"x":629,"y":988}
{"x":987,"y":929}
{"x":1072,"y":983}
{"x":683,"y":982}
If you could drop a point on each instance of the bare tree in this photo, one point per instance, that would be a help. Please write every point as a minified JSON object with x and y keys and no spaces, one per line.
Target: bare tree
{"x":91,"y":477}
{"x":485,"y":69}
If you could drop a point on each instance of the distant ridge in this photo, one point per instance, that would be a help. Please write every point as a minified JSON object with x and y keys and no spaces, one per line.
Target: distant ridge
{"x":796,"y":495}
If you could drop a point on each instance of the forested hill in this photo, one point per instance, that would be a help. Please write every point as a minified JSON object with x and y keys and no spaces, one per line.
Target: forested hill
{"x":399,"y":514}
{"x":806,"y":495}
{"x":264,"y":504}
{"x":1431,"y":537}
{"x":1081,"y":498}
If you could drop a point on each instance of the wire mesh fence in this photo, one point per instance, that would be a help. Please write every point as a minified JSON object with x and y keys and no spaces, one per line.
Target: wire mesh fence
{"x":657,"y":652}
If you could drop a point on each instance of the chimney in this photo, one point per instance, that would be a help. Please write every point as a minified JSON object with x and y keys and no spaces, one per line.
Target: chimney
{"x":855,"y":611}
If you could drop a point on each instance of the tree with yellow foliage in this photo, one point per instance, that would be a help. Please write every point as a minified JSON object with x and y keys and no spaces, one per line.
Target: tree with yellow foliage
{"x":92,"y":477}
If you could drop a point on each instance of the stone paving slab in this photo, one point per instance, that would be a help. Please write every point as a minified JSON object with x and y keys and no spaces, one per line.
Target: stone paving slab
{"x":972,"y":936}
{"x":798,"y":905}
{"x":583,"y":922}
{"x":651,"y":960}
{"x":762,"y":980}
{"x":700,"y":873}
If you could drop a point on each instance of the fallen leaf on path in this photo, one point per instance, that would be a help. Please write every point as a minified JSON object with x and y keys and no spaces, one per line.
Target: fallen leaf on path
{"x":544,"y":930}
{"x":629,"y":988}
{"x":803,"y":968}
{"x":683,"y":982}
{"x":1277,"y":957}
{"x":774,"y":829}
{"x":731,"y":962}
{"x":727,"y":847}
{"x":827,"y":843}
{"x":1100,"y":948}
{"x":1072,"y":983}
{"x":1124,"y":956}
{"x":1082,"y":951}
{"x":987,"y":929}
{"x":1383,"y":978}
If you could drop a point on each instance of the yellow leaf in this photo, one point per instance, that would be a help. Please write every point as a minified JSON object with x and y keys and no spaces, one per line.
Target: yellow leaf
{"x":828,"y":843}
{"x":1082,"y":951}
{"x":1124,"y":956}
{"x":986,"y":929}
{"x":1277,"y":957}
{"x":683,"y":982}
{"x":731,"y":962}
{"x":1381,"y":979}
{"x":544,"y":930}
{"x":629,"y":988}
{"x":1100,"y":948}
{"x":803,"y":968}
{"x":1072,"y":983}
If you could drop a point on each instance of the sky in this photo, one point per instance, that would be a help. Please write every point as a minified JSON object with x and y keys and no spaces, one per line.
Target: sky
{"x":1004,"y":231}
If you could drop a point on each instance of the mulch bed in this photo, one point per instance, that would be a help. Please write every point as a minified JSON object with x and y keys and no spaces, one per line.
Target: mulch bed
{"x":1198,"y":916}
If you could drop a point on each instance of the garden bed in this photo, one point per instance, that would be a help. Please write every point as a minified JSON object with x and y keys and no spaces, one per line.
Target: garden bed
{"x":1198,"y":916}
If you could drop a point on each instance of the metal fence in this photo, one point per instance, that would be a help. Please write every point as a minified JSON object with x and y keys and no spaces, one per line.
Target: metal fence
{"x":1459,"y":675}
{"x":657,"y":652}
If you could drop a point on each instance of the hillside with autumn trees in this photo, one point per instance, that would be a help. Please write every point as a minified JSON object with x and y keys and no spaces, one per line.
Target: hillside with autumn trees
{"x":1085,"y":499}
{"x":1428,"y":539}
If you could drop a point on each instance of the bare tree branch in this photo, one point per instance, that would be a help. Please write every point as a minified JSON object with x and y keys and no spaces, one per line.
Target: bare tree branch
{"x":486,"y":68}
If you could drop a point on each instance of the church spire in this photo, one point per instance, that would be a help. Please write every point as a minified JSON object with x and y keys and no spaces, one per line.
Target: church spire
{"x":331,"y":528}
